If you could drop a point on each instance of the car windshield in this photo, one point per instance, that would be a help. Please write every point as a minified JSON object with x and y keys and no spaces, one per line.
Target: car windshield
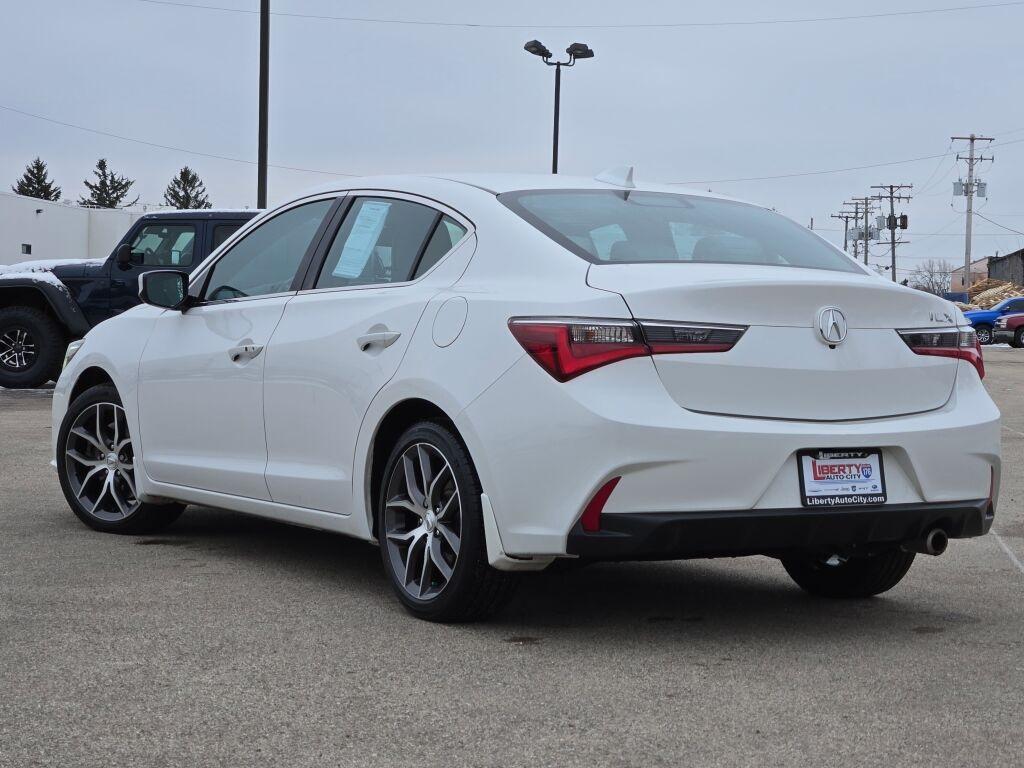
{"x":612,"y":226}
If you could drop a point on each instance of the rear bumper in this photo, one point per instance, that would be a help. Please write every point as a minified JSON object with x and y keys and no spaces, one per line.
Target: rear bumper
{"x":680,"y":535}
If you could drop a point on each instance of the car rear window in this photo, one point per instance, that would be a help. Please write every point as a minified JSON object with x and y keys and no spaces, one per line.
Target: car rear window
{"x":613,"y":226}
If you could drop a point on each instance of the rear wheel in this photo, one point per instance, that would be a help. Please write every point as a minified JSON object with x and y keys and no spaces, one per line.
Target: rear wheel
{"x":862,"y":576}
{"x":96,"y":466}
{"x":31,"y":347}
{"x":430,"y":526}
{"x":984,"y":333}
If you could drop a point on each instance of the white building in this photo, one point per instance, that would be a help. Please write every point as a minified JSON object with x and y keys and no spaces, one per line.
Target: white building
{"x":32,"y":229}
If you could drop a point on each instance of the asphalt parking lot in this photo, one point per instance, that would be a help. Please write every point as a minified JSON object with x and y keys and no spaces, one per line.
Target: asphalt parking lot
{"x":232,"y":641}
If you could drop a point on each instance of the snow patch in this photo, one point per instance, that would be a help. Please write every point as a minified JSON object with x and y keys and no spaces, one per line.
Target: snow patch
{"x":44,"y":265}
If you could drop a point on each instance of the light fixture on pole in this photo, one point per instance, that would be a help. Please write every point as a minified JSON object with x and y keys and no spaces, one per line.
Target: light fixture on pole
{"x":575,"y":51}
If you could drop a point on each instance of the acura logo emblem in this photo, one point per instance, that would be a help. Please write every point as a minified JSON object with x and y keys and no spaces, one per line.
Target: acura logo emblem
{"x":832,"y":325}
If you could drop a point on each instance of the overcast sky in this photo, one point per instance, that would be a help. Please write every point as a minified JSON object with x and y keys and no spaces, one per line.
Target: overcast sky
{"x":681,"y":104}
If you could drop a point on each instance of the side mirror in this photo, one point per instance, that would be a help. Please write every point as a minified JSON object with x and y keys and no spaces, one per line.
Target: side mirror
{"x":123,"y":255}
{"x":164,"y":288}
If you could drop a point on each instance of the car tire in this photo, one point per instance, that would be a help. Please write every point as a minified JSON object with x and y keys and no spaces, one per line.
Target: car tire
{"x":431,"y":531}
{"x":99,"y":485}
{"x":1018,"y":338}
{"x":857,"y":577}
{"x":31,"y":347}
{"x":984,"y":333}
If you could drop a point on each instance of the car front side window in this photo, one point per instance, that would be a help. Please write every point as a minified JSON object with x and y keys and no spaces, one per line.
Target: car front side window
{"x":266,"y":260}
{"x":164,"y":245}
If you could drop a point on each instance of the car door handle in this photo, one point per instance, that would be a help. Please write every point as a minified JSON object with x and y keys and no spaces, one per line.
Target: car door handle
{"x":244,"y":352}
{"x":381,"y":339}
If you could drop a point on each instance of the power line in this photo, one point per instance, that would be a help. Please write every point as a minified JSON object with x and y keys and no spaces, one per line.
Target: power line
{"x":833,"y":170}
{"x":167,"y":146}
{"x":1008,"y":229}
{"x":659,"y":25}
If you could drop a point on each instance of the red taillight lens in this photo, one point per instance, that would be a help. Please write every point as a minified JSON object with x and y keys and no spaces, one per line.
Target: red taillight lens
{"x":958,"y":343}
{"x":568,"y":347}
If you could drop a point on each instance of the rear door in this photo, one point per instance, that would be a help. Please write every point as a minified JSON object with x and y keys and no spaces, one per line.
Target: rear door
{"x":201,"y":374}
{"x":342,"y":339}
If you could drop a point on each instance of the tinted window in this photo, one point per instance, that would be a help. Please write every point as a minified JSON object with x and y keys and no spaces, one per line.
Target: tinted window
{"x":378,"y":242}
{"x":447,"y":233}
{"x":222,"y":232}
{"x":164,"y":245}
{"x":619,"y":227}
{"x":265,"y":260}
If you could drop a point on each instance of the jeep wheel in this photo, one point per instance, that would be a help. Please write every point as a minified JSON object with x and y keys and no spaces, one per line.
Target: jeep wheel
{"x":984,"y":333}
{"x":31,"y":347}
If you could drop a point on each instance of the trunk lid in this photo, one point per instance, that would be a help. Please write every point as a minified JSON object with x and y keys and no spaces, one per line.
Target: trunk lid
{"x":782,"y":367}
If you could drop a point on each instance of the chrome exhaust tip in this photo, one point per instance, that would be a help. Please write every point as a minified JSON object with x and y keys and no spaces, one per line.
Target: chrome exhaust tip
{"x":932,"y":543}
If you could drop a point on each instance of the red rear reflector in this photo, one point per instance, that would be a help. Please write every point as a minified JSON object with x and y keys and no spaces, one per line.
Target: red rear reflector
{"x":591,"y":518}
{"x":958,"y":343}
{"x":568,"y":347}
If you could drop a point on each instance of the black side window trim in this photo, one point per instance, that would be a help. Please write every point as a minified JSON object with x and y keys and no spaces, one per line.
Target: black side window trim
{"x":307,"y":259}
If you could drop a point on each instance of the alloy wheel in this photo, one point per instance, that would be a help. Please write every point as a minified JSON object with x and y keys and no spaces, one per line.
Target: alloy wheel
{"x":17,"y":349}
{"x":984,"y":335}
{"x":100,"y":463}
{"x":423,"y":521}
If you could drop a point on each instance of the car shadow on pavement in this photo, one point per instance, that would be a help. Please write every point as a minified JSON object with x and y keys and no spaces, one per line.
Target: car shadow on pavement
{"x":752,"y":597}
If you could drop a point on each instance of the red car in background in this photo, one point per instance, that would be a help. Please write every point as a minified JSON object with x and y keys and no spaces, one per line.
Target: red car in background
{"x":1009,"y":329}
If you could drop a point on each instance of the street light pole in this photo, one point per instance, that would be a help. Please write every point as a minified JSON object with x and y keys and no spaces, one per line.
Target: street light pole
{"x":558,"y":100}
{"x":575,"y":51}
{"x":261,"y":173}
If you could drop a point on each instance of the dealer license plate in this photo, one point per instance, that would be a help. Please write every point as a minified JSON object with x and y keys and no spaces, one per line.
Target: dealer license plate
{"x":831,"y":477}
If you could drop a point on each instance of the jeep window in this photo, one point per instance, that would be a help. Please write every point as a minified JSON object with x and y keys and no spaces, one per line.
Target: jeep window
{"x":164,"y":245}
{"x":266,"y":259}
{"x":222,"y":232}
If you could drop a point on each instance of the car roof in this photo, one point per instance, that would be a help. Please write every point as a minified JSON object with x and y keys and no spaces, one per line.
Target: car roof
{"x":494,"y":183}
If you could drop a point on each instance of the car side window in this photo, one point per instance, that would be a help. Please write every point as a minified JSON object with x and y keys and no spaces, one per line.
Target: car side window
{"x":378,"y":242}
{"x":447,"y":233}
{"x":266,"y":260}
{"x":222,"y":232}
{"x":164,"y":245}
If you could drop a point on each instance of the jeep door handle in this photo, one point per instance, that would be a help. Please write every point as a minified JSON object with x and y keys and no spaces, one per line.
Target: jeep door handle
{"x":381,"y":339}
{"x":244,"y":352}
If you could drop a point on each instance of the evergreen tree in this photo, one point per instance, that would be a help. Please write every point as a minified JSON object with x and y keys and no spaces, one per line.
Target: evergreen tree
{"x":109,"y":190}
{"x":186,"y":191}
{"x":36,"y":182}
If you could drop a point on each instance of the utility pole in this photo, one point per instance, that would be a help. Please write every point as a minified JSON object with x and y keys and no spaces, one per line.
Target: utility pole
{"x":891,"y":221}
{"x":846,"y":216}
{"x":867,"y":227}
{"x":969,"y":192}
{"x":261,"y":173}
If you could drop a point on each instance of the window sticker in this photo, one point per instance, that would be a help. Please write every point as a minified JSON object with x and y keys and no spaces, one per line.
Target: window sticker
{"x":362,"y":239}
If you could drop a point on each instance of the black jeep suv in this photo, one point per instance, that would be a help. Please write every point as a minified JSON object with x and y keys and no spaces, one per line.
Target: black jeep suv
{"x":44,"y":306}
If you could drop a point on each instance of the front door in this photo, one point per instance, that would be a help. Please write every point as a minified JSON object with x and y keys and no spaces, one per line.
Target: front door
{"x":201,"y":376}
{"x":165,"y":244}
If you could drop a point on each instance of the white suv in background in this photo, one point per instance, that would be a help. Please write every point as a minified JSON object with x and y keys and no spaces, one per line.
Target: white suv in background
{"x":485,"y":373}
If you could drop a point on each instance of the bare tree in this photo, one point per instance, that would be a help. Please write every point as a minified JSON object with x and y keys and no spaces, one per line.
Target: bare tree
{"x":932,"y":277}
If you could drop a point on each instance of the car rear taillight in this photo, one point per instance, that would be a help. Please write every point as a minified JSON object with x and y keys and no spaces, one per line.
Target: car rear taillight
{"x":569,"y":347}
{"x":958,"y":343}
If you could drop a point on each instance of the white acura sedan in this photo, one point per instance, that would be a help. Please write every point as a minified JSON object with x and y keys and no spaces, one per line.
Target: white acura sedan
{"x":484,"y":374}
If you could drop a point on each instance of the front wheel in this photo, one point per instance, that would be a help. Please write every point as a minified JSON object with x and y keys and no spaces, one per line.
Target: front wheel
{"x":430,"y":527}
{"x":1018,"y":338}
{"x":984,"y":333}
{"x":863,"y":576}
{"x":96,"y":466}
